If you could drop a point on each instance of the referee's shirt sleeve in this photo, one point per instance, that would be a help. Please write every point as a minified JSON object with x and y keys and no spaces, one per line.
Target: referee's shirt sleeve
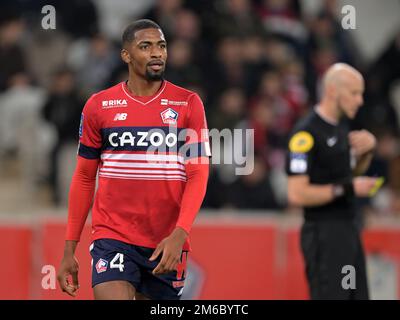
{"x":90,"y":141}
{"x":300,"y":153}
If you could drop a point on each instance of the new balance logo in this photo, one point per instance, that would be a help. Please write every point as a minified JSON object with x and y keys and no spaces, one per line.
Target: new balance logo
{"x":120,"y":116}
{"x":114,"y":103}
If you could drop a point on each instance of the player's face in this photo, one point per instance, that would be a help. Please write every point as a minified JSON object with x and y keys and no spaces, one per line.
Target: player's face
{"x":148,"y":54}
{"x":350,"y":95}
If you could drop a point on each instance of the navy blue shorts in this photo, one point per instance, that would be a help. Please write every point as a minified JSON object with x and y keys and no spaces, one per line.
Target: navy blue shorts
{"x":116,"y":260}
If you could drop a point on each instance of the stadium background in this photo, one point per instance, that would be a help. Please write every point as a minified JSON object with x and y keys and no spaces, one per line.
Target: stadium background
{"x":256,"y":64}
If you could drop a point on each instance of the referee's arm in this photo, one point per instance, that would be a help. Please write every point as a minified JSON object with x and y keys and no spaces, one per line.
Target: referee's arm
{"x":302,"y":193}
{"x":362,"y":143}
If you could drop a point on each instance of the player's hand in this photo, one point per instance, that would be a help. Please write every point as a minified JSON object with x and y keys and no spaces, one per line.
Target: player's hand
{"x":69,"y":268}
{"x":364,"y":185}
{"x":362,"y":142}
{"x":171,"y":249}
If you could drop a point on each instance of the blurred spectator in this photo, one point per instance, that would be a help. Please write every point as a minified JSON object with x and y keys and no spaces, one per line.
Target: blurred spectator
{"x":385,"y":70}
{"x":164,"y":13}
{"x":254,"y":191}
{"x":12,"y":60}
{"x":93,"y":61}
{"x":119,"y":74}
{"x":23,"y":135}
{"x":387,"y":203}
{"x":216,"y":196}
{"x":229,"y":110}
{"x":388,"y":153}
{"x":50,"y":47}
{"x":79,"y":18}
{"x":255,"y":61}
{"x":328,"y":43}
{"x":321,"y":59}
{"x":227,"y":70}
{"x":326,"y":31}
{"x":236,"y":18}
{"x":282,"y":18}
{"x":277,"y":52}
{"x":381,"y":78}
{"x":271,"y":90}
{"x":199,"y":89}
{"x":186,"y":25}
{"x":386,"y":163}
{"x":261,"y":118}
{"x":181,"y":69}
{"x":293,"y":83}
{"x":63,"y":110}
{"x":388,"y":148}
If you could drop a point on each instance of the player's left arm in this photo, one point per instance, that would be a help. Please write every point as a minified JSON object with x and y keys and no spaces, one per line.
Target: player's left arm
{"x":197,"y":171}
{"x":362,"y":143}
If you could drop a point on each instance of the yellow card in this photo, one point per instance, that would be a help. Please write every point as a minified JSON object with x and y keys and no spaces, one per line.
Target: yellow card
{"x":378,"y":184}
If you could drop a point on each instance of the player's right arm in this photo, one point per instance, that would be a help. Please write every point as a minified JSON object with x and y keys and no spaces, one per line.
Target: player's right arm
{"x":301,"y":192}
{"x":80,"y":199}
{"x":80,"y":196}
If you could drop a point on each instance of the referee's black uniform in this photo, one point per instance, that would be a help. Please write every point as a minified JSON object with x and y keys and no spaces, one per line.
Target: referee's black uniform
{"x":330,"y":238}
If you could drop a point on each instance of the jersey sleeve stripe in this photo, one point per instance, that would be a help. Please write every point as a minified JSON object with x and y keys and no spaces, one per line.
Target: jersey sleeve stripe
{"x":88,"y":152}
{"x":142,"y":177}
{"x":143,"y":165}
{"x":196,"y":150}
{"x":151,"y":172}
{"x":143,"y":157}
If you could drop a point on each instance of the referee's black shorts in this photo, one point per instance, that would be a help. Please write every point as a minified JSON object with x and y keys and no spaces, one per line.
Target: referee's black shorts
{"x":327,"y":247}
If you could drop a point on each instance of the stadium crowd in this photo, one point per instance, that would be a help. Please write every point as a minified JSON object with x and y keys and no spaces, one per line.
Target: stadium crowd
{"x":257,"y":64}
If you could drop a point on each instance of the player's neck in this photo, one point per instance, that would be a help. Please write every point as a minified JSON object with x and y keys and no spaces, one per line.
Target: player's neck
{"x":328,"y":112}
{"x":143,"y":87}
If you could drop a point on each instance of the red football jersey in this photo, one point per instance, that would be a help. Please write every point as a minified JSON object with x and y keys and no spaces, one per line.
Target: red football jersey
{"x":142,"y":143}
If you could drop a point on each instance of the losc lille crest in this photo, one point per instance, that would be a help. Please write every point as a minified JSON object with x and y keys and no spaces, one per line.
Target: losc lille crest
{"x":101,"y":265}
{"x":169,"y":116}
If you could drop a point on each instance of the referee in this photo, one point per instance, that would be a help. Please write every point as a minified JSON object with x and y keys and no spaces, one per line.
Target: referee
{"x":323,"y":161}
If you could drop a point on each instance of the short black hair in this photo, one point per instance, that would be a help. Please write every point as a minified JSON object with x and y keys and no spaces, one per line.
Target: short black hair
{"x":129,"y":32}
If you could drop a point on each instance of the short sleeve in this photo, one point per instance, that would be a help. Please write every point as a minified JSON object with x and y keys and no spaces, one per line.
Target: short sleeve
{"x":197,"y":139}
{"x":90,"y":141}
{"x":300,"y":153}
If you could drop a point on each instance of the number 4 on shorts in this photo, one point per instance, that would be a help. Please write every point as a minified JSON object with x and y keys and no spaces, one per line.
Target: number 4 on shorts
{"x":120,"y":264}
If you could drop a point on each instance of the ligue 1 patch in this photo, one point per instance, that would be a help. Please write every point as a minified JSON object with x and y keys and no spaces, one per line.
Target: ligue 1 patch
{"x":298,"y":163}
{"x":169,"y":116}
{"x":301,"y":142}
{"x":81,"y":126}
{"x":101,"y":265}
